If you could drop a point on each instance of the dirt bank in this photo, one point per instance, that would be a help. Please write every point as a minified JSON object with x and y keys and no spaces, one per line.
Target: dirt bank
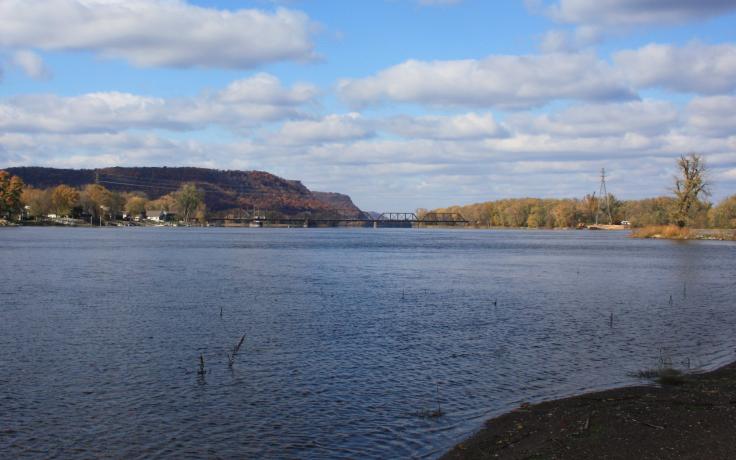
{"x":692,"y":420}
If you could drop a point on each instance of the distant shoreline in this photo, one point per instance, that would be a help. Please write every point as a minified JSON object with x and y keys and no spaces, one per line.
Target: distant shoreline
{"x":693,"y":419}
{"x":637,"y":233}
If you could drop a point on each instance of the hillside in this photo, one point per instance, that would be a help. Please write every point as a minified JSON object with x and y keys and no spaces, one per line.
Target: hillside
{"x":224,"y":190}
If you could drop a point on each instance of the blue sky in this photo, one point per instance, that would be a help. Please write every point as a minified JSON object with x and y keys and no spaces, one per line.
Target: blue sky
{"x":398,"y":103}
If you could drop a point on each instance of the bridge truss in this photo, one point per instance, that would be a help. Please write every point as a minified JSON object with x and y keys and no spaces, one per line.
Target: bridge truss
{"x":386,"y":219}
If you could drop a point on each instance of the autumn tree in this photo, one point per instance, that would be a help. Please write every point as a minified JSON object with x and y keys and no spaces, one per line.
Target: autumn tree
{"x":11,"y":189}
{"x":649,"y":211}
{"x":37,"y":200}
{"x":115,"y":204}
{"x":689,"y":186}
{"x":166,"y":203}
{"x":188,"y":199}
{"x":589,"y":208}
{"x":135,"y":205}
{"x":201,"y":213}
{"x":537,"y":217}
{"x":92,"y":199}
{"x":723,"y":215}
{"x":565,"y":214}
{"x":63,"y":200}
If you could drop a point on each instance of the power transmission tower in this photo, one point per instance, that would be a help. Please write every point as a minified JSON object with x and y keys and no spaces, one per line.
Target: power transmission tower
{"x":602,"y":192}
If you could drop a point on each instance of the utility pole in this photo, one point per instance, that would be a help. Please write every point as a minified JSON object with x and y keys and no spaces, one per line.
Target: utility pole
{"x":601,"y":193}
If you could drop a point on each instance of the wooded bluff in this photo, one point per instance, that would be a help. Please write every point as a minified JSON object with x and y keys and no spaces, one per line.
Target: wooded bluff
{"x":223,"y":190}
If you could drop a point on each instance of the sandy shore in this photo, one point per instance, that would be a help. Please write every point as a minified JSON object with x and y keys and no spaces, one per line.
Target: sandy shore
{"x":695,"y":419}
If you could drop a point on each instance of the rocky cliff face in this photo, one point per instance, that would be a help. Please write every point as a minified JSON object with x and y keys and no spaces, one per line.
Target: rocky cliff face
{"x":340,"y":202}
{"x":224,"y":190}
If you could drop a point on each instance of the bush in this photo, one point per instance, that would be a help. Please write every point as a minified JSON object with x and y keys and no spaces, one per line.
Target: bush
{"x":663,"y":231}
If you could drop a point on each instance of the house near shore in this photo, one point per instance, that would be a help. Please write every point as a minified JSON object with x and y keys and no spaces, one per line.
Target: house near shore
{"x":134,"y":217}
{"x":159,"y":215}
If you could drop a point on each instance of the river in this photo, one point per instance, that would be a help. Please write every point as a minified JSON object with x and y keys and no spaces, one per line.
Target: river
{"x":360,"y":343}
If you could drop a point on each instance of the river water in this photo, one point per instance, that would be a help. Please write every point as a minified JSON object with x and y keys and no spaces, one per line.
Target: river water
{"x":354,"y":337}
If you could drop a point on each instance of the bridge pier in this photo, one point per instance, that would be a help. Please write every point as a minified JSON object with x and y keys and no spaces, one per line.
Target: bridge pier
{"x":375,"y":224}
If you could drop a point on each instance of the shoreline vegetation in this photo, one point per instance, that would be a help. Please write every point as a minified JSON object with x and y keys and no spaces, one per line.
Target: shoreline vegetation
{"x":685,"y":416}
{"x":669,"y":232}
{"x":135,"y":200}
{"x":673,"y":232}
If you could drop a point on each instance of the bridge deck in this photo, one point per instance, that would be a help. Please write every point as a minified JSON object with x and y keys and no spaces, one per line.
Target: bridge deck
{"x":336,"y":220}
{"x":387,"y":218}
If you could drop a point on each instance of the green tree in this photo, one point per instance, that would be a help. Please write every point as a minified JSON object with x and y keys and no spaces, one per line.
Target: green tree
{"x":689,"y":186}
{"x":188,"y":199}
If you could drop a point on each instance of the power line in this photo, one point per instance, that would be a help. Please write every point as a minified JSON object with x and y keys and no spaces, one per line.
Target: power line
{"x":603,"y":192}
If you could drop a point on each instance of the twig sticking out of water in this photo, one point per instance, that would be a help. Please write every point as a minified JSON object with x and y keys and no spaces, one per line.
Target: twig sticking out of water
{"x":670,"y":300}
{"x":236,"y":349}
{"x":495,"y":302}
{"x":201,"y":370}
{"x":220,"y":312}
{"x":611,"y":322}
{"x":438,"y":412}
{"x":684,"y":289}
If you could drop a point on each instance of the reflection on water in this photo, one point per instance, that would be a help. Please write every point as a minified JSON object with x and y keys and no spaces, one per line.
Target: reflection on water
{"x":353,"y":336}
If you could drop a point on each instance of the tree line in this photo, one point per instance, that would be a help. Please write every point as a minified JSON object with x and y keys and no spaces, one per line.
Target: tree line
{"x":688,"y":206}
{"x":573,"y":212}
{"x":94,"y":202}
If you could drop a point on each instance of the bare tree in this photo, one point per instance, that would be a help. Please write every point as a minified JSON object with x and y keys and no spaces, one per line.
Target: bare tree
{"x":188,"y":199}
{"x":689,"y":186}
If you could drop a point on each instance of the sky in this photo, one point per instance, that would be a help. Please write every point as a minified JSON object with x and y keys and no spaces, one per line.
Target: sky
{"x":400,"y":104}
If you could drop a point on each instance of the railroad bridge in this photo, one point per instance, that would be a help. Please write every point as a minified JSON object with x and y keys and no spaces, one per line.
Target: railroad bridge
{"x":386,"y":219}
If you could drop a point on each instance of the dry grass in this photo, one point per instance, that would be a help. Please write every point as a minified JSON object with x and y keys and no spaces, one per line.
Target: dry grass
{"x":672,"y":232}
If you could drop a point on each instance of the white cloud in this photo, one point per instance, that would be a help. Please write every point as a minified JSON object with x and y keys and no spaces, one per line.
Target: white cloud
{"x":504,"y":81}
{"x":637,"y":12}
{"x":435,"y":160}
{"x":558,"y":40}
{"x":458,"y":127}
{"x":241,"y":104}
{"x":544,"y":158}
{"x":31,"y":64}
{"x":151,"y":33}
{"x":265,"y":89}
{"x":694,"y":67}
{"x":518,"y":82}
{"x":332,"y":128}
{"x":714,"y":115}
{"x":648,"y":117}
